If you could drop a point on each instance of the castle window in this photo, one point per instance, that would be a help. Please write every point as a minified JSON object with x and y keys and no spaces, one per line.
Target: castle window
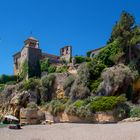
{"x":32,"y":44}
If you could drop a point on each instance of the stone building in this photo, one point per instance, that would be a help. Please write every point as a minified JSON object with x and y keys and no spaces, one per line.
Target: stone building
{"x":66,"y":53}
{"x":31,"y":54}
{"x":94,"y":52}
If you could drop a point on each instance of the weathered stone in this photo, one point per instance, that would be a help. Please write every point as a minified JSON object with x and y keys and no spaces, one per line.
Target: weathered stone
{"x":58,"y":90}
{"x":29,"y":116}
{"x":115,"y":80}
{"x":134,"y":119}
{"x":105,"y":117}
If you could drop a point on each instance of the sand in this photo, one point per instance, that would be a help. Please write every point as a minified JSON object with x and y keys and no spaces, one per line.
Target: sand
{"x":73,"y":131}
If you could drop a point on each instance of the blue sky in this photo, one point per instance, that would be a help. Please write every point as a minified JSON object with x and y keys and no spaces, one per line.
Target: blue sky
{"x":84,"y":24}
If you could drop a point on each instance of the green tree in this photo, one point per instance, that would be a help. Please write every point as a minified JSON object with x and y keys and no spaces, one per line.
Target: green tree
{"x":45,"y":65}
{"x":127,"y":32}
{"x":122,"y":29}
{"x":111,"y":54}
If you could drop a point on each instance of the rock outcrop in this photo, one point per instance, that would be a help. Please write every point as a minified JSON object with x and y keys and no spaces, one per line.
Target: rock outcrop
{"x":12,"y":99}
{"x":116,"y":80}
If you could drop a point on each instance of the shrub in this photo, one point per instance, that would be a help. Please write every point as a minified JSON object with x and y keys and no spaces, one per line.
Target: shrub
{"x":11,"y":83}
{"x":84,"y":112}
{"x":79,"y":103}
{"x":106,"y":103}
{"x":95,"y":84}
{"x":121,"y":111}
{"x":7,"y":78}
{"x":80,"y":109}
{"x":67,"y":84}
{"x":51,"y":69}
{"x":79,"y":92}
{"x":45,"y":64}
{"x":48,"y":80}
{"x":62,"y":69}
{"x":135,"y":111}
{"x":81,"y":59}
{"x":32,"y":105}
{"x":31,"y":84}
{"x":2,"y":87}
{"x":47,"y":85}
{"x":95,"y":68}
{"x":80,"y":88}
{"x":24,"y":70}
{"x":56,"y":106}
{"x":116,"y":80}
{"x":110,"y":54}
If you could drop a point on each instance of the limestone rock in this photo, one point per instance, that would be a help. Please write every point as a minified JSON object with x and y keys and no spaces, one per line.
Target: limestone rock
{"x":134,"y":119}
{"x":58,"y":90}
{"x":116,"y":80}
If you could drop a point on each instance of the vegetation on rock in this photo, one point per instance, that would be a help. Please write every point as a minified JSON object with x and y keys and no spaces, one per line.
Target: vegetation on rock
{"x":135,"y":111}
{"x":79,"y":89}
{"x":47,"y":87}
{"x":97,"y":86}
{"x":4,"y":79}
{"x":116,"y":80}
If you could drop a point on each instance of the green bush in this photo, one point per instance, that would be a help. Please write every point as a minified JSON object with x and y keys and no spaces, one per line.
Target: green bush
{"x":48,"y":80}
{"x":79,"y":103}
{"x":68,"y":84}
{"x":2,"y":87}
{"x":81,"y":59}
{"x":135,"y":111}
{"x":121,"y":111}
{"x":31,"y":84}
{"x":80,"y":86}
{"x":80,"y":109}
{"x":32,"y":105}
{"x":45,"y":64}
{"x":95,"y":68}
{"x":24,"y":70}
{"x":62,"y":69}
{"x":51,"y":69}
{"x":7,"y":78}
{"x":56,"y":106}
{"x":47,"y":87}
{"x":11,"y":83}
{"x":106,"y":103}
{"x":94,"y":85}
{"x":110,"y":54}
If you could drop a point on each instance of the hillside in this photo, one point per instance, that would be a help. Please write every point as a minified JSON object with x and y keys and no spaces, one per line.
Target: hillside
{"x":107,"y":82}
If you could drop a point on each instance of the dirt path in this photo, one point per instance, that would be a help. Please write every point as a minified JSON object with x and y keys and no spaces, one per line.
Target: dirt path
{"x":123,"y":131}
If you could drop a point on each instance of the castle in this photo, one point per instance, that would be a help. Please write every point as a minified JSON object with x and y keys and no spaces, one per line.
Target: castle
{"x":32,"y":54}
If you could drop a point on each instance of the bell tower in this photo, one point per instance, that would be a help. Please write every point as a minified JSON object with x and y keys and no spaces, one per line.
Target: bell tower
{"x":32,"y":42}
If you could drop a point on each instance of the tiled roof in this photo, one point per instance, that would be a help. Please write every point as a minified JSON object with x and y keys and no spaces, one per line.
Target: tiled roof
{"x":50,"y":55}
{"x":96,"y":49}
{"x":31,"y":38}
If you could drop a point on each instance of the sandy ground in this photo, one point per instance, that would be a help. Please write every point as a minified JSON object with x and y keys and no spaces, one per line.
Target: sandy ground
{"x":123,"y":131}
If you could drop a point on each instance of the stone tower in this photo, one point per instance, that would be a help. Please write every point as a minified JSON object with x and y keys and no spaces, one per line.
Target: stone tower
{"x":31,"y":54}
{"x":66,"y":53}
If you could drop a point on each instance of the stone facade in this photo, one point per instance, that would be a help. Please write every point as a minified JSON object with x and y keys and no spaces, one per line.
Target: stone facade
{"x":66,"y":53}
{"x":92,"y":53}
{"x":32,"y":54}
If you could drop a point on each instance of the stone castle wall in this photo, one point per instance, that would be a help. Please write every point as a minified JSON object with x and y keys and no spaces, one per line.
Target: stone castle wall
{"x":66,"y":53}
